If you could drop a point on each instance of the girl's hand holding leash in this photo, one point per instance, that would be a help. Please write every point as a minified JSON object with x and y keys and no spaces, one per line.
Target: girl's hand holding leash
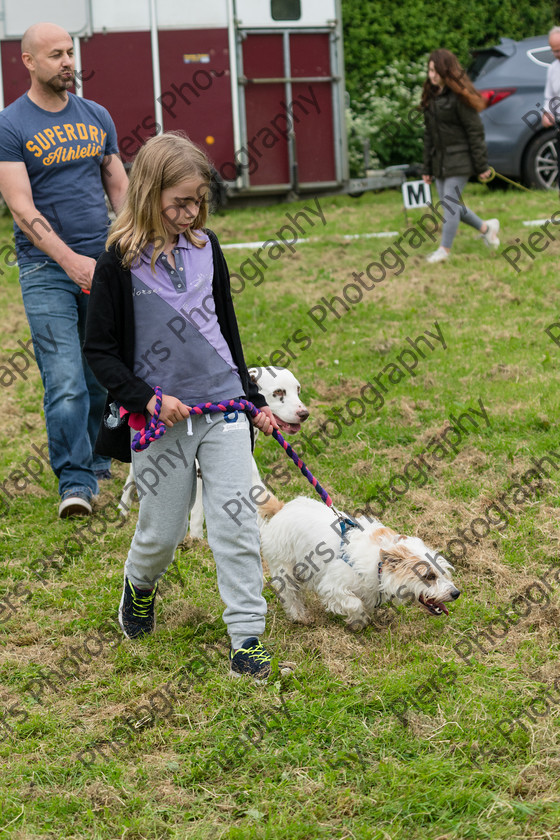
{"x":485,"y":175}
{"x":265,"y":420}
{"x":172,"y":410}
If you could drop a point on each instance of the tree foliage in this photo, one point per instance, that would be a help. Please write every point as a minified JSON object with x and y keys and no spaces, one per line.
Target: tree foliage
{"x":388,"y":117}
{"x":379,"y":32}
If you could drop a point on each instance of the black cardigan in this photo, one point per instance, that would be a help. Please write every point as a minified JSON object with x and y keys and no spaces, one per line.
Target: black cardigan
{"x":109,"y":343}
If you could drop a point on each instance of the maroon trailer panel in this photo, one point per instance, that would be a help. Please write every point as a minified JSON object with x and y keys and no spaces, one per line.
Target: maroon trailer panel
{"x":311,"y":106}
{"x":263,"y":58}
{"x":309,"y":54}
{"x":16,"y":77}
{"x":310,"y":57}
{"x":266,"y":135}
{"x":315,"y":135}
{"x":196,"y":89}
{"x":117,"y":73}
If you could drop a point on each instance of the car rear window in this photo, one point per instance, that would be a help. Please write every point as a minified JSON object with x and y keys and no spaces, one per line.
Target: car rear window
{"x":541,"y":55}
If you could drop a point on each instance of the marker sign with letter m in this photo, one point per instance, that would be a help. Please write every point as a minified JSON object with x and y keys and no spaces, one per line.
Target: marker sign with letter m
{"x":416,"y":194}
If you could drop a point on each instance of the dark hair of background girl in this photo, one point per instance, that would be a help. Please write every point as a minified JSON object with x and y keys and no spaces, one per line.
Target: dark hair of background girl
{"x":455,"y":78}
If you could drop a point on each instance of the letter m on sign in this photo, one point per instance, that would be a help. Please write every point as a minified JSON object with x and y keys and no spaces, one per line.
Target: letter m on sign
{"x":415,"y":194}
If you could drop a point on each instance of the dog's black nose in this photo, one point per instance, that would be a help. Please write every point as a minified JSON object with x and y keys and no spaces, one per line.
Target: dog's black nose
{"x":303,"y":415}
{"x":455,"y":594}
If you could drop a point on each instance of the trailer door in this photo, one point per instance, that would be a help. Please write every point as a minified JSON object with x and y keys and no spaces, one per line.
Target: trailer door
{"x":289,"y":103}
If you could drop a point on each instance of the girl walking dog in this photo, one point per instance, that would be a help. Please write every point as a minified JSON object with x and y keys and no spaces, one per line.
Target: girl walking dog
{"x":454,"y":146}
{"x":160,"y":313}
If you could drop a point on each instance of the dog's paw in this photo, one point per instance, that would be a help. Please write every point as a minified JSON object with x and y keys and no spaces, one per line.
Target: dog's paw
{"x":300,"y":616}
{"x":357,"y":622}
{"x":306,"y":619}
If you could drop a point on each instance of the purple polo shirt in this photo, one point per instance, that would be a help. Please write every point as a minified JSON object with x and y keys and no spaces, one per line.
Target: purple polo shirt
{"x":178,"y":341}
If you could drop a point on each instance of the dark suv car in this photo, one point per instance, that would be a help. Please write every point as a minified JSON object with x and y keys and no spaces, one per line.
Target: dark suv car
{"x":511,"y":76}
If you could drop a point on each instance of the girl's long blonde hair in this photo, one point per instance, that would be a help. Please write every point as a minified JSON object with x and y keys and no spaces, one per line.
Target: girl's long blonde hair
{"x":162,"y":162}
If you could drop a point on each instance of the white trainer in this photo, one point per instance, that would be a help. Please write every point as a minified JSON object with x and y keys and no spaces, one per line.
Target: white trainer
{"x":438,"y":256}
{"x":491,"y":235}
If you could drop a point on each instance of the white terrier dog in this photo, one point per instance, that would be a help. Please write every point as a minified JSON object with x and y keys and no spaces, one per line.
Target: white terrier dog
{"x":281,"y":391}
{"x":352,"y":573}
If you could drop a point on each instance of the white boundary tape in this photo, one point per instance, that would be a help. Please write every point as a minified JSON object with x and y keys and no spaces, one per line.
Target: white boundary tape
{"x":313,"y":239}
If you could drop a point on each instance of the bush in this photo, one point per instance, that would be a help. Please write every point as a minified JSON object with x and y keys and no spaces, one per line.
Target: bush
{"x":387,"y":115}
{"x":379,"y":31}
{"x":359,"y":132}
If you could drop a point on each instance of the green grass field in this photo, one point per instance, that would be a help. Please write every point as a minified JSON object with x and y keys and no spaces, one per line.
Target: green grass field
{"x":417,"y":728}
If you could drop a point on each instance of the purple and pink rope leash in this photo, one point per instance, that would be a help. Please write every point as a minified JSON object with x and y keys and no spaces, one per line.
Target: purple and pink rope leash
{"x":155,"y":429}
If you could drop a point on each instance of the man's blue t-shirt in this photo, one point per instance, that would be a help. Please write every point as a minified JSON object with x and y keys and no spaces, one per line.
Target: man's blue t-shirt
{"x":63,"y":152}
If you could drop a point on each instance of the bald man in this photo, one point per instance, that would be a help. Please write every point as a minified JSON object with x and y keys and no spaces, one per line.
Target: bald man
{"x":57,"y":153}
{"x":551,"y":112}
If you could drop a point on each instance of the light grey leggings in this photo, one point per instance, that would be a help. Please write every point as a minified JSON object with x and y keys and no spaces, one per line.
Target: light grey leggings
{"x":165,"y":476}
{"x":451,"y":189}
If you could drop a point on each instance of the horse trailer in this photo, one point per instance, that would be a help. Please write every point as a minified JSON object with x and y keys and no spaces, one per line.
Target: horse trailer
{"x":258,"y":84}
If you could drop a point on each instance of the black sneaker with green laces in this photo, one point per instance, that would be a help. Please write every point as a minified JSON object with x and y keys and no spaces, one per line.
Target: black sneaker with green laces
{"x":136,"y":611}
{"x":251,"y":658}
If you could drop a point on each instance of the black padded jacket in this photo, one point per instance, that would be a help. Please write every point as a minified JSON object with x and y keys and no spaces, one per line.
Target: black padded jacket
{"x":454,"y":141}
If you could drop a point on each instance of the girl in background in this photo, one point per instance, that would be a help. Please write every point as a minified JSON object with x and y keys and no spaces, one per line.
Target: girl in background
{"x":454,"y":146}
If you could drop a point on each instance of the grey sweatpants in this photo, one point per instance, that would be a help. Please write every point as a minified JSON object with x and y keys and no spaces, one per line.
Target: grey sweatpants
{"x":453,"y":187}
{"x":165,"y":476}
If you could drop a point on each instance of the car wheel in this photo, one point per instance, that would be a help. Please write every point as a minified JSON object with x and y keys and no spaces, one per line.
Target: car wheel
{"x":540,"y":167}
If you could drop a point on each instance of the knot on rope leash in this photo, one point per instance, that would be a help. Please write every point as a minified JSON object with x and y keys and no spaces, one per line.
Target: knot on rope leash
{"x":155,"y":429}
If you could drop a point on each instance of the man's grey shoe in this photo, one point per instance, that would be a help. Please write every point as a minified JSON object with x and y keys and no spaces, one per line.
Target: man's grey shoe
{"x":78,"y":504}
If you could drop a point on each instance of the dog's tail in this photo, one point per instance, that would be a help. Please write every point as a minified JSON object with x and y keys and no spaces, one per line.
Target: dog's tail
{"x":271,"y":507}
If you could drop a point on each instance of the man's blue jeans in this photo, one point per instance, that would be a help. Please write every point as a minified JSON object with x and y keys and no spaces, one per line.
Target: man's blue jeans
{"x":74,"y":400}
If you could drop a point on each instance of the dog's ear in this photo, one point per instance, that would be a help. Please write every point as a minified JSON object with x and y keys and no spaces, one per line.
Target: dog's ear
{"x":255,"y":374}
{"x":396,"y":554}
{"x":389,"y":557}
